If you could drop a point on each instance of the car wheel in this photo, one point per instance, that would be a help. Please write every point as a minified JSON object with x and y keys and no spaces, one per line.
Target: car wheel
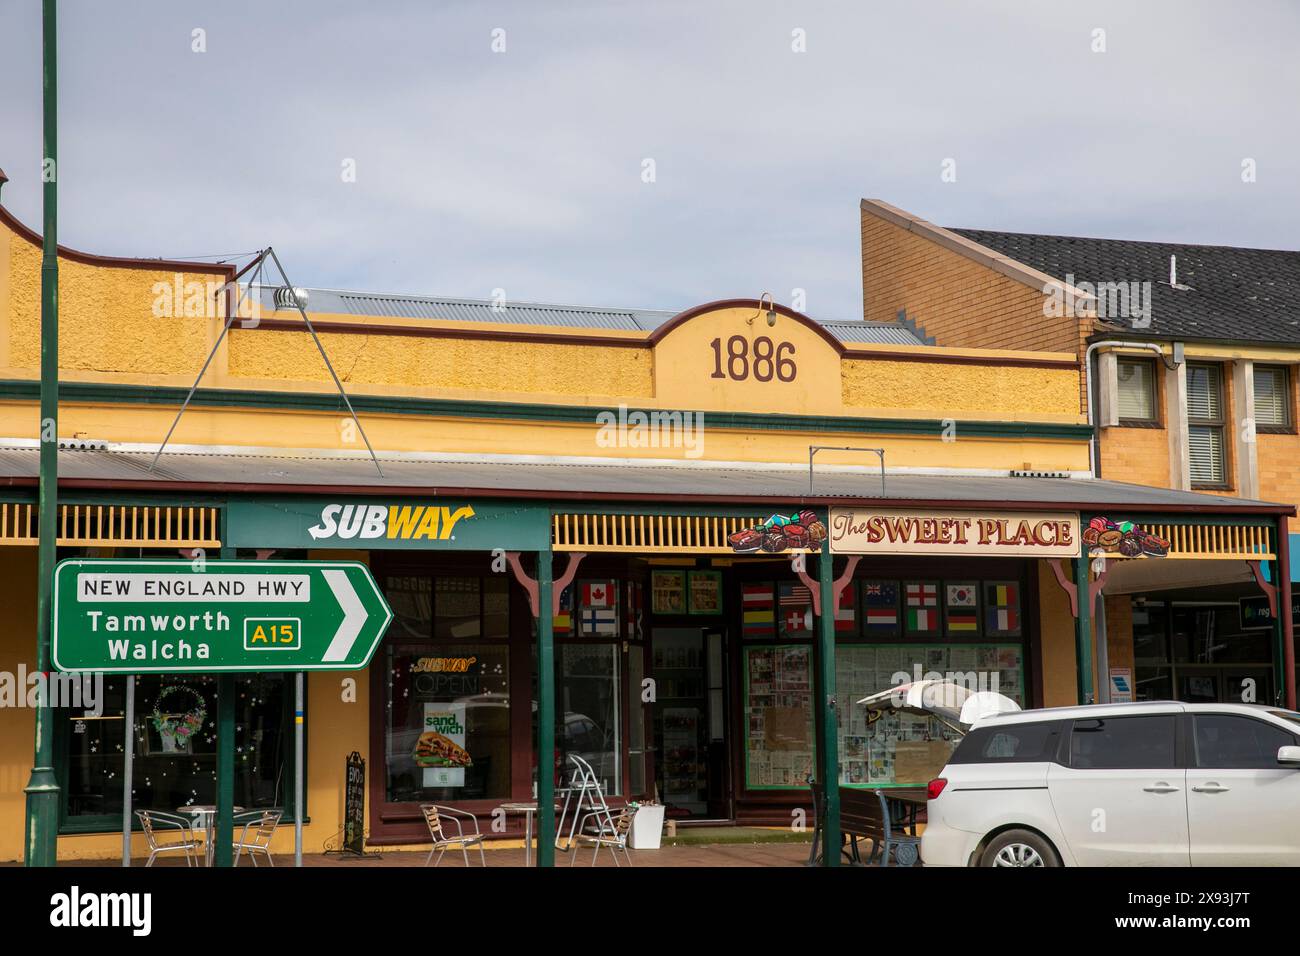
{"x":1019,"y":848}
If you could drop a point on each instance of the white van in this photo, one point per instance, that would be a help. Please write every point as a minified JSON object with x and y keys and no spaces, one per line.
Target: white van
{"x":1146,"y":784}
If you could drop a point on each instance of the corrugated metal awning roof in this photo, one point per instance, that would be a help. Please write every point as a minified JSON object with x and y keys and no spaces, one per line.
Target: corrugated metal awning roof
{"x":338,"y":302}
{"x":253,"y":470}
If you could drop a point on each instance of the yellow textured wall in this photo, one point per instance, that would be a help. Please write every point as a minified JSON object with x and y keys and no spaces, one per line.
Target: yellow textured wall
{"x":1279,"y":468}
{"x":106,"y":317}
{"x":17,"y":724}
{"x":1136,"y":455}
{"x":1005,"y":392}
{"x":482,"y":365}
{"x":1057,"y":641}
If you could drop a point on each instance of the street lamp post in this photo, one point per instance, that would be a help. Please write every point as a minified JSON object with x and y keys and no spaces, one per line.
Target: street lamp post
{"x":41,"y":834}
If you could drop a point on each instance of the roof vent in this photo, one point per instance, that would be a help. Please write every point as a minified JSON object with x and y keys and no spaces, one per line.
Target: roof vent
{"x":1039,"y":474}
{"x":291,"y":297}
{"x":1173,"y":276}
{"x":82,"y":444}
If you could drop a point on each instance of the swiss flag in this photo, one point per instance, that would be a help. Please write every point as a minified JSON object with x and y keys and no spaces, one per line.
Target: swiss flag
{"x":597,"y":593}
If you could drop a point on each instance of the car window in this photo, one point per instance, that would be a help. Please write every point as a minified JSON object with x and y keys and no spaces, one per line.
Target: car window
{"x":1013,"y":743}
{"x":1290,"y":715}
{"x":1230,"y":741}
{"x":1123,"y":743}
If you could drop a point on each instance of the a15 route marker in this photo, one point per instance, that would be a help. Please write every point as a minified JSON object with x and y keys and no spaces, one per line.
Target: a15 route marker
{"x":163,"y":617}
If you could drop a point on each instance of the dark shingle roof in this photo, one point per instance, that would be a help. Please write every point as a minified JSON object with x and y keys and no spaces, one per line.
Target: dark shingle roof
{"x":1233,"y":294}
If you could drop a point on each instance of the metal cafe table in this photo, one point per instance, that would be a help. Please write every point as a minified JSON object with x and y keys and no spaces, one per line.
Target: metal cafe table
{"x":205,"y":815}
{"x":527,"y":809}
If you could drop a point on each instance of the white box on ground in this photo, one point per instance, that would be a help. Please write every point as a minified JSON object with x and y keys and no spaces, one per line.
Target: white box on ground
{"x":647,"y":828}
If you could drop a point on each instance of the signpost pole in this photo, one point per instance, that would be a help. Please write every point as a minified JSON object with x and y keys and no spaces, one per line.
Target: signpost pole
{"x":128,"y":767}
{"x":41,"y":831}
{"x":545,"y":714}
{"x":223,"y":829}
{"x":830,"y":771}
{"x":298,"y":717}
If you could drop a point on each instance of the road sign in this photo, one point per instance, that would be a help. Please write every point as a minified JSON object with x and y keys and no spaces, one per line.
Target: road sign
{"x":165,"y":617}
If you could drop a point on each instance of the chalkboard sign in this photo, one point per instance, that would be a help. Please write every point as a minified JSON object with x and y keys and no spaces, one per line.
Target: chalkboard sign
{"x":354,"y":806}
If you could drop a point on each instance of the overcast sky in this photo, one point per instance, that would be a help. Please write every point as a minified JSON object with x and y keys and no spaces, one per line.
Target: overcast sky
{"x":523,"y":169}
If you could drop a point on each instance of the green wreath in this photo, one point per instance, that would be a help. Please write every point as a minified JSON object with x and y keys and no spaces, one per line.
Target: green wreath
{"x":187,"y":724}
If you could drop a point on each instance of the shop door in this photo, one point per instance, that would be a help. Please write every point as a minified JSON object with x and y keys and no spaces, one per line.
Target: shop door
{"x":689,"y":722}
{"x":1227,"y":684}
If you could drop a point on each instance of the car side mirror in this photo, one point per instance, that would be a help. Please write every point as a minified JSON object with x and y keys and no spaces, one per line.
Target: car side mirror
{"x":1288,"y":756}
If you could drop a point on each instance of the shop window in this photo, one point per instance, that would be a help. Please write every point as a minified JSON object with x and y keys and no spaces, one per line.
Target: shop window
{"x":1205,"y":426}
{"x":1212,"y":634}
{"x":588,"y":710}
{"x":174,"y":742}
{"x":1136,"y":391}
{"x":447,"y":680}
{"x":1272,"y":397}
{"x":778,"y":715}
{"x":448,"y":722}
{"x":900,"y":748}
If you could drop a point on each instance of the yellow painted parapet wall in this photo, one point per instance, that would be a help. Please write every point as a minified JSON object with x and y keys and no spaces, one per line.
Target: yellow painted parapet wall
{"x":153,"y":322}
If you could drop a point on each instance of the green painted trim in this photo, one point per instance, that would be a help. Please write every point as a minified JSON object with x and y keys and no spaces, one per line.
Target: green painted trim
{"x":16,"y":390}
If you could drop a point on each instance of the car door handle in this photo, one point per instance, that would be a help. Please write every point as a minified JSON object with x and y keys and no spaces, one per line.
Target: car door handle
{"x":1211,"y":788}
{"x":1161,"y":787}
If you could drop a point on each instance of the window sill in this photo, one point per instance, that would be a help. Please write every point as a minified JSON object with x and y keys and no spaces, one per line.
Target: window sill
{"x":1275,"y":430}
{"x":1210,"y":487}
{"x":1138,"y":423}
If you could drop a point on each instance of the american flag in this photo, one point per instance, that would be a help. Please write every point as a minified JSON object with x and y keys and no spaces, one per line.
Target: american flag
{"x":796,"y":607}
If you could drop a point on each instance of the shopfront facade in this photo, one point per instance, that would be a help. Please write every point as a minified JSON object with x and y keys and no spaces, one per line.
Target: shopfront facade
{"x":653,"y":511}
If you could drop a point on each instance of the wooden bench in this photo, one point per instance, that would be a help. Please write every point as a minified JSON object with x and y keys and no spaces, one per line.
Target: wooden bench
{"x":864,"y":813}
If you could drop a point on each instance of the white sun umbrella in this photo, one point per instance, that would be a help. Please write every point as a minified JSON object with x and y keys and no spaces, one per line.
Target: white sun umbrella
{"x":953,"y":703}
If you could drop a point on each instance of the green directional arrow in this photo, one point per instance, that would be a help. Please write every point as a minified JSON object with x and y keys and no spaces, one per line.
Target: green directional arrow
{"x":165,"y":617}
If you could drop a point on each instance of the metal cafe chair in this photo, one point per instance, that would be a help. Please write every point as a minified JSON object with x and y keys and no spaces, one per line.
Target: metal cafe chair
{"x":614,"y":836}
{"x":434,"y":816}
{"x":586,"y":798}
{"x":263,"y":824}
{"x":151,"y":821}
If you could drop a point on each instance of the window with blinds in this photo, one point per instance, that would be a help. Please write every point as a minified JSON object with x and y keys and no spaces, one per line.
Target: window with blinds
{"x":1272,"y":396}
{"x":1136,"y":393}
{"x":1205,"y":429}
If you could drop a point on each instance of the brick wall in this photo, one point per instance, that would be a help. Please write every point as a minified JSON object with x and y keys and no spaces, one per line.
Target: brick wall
{"x":955,"y":299}
{"x":1136,"y":455}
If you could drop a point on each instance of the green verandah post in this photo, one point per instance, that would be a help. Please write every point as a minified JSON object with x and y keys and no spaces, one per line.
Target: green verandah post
{"x":545,"y":714}
{"x":1083,"y":626}
{"x":830,"y":769}
{"x":41,"y":833}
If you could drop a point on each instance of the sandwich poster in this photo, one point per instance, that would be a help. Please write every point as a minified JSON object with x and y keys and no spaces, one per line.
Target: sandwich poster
{"x":440,"y":751}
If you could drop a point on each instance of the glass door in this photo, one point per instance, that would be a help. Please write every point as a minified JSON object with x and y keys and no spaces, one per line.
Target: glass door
{"x":681,"y":720}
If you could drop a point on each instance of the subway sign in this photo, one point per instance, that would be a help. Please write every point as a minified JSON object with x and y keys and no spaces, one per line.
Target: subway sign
{"x":989,"y":534}
{"x":163,"y":617}
{"x":368,"y":524}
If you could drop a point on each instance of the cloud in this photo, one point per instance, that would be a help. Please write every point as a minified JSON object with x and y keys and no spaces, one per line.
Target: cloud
{"x":522,"y":170}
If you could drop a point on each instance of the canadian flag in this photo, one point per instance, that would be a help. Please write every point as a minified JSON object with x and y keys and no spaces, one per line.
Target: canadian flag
{"x":597,"y":593}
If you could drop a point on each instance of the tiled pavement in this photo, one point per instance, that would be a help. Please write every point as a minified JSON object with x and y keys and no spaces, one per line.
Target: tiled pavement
{"x":727,"y":855}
